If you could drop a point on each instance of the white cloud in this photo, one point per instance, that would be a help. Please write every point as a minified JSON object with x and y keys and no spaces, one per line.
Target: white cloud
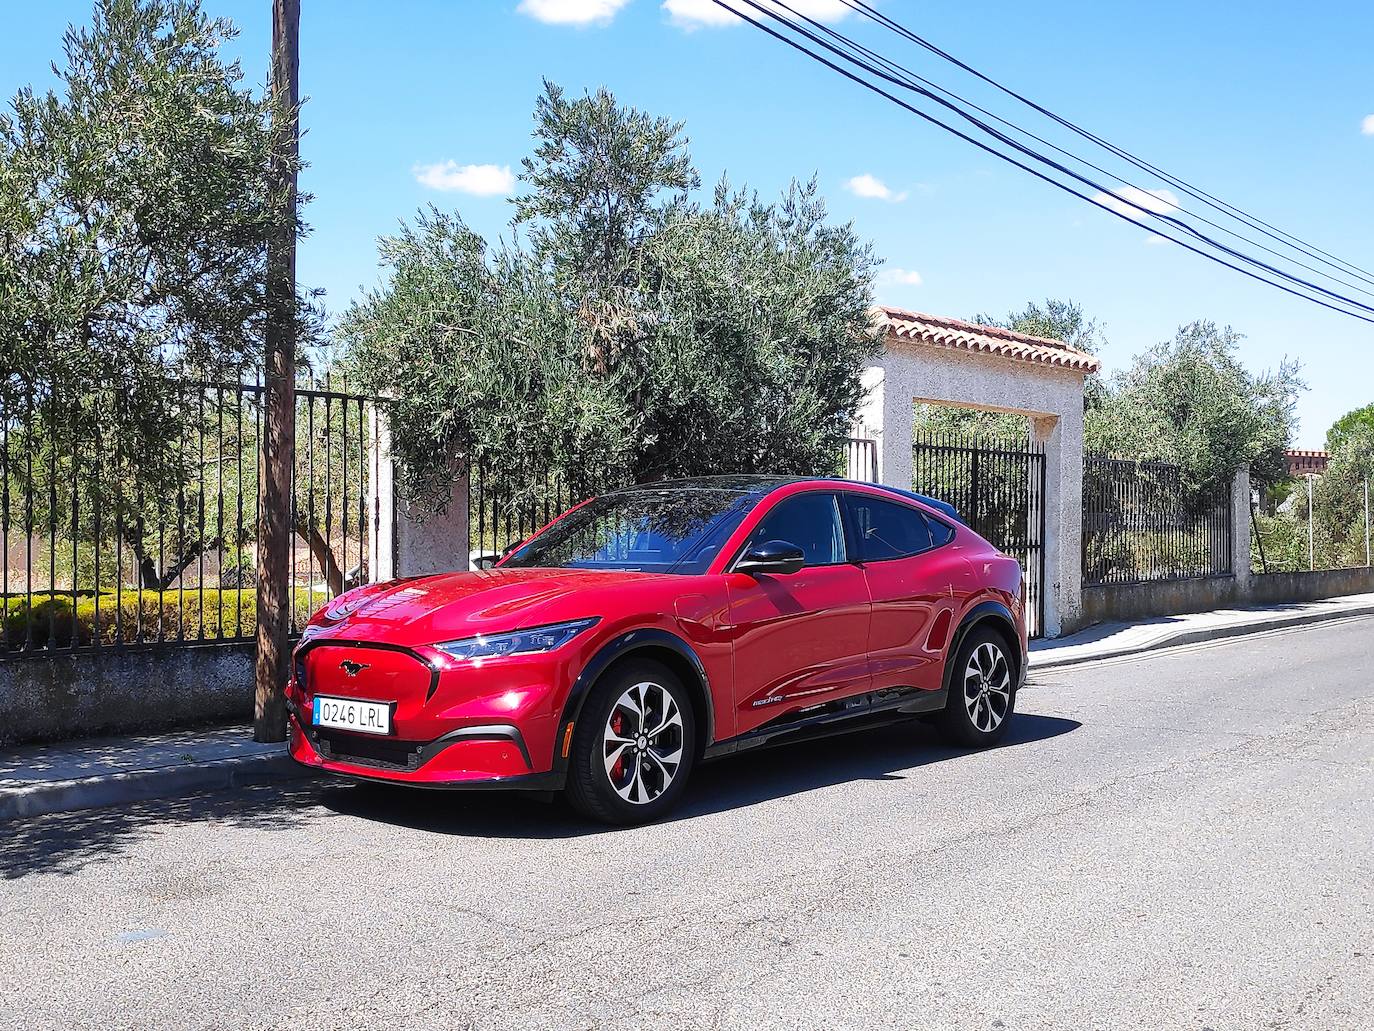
{"x":870,"y":186}
{"x":907,"y":277}
{"x":571,"y":12}
{"x":694,"y":14}
{"x":1125,"y":200}
{"x":1367,"y":126}
{"x":480,"y":180}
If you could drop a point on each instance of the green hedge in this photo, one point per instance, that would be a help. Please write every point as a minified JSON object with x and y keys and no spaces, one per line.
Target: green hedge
{"x":141,"y":616}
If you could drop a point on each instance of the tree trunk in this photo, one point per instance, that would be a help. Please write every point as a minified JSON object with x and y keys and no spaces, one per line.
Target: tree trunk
{"x":323,"y":556}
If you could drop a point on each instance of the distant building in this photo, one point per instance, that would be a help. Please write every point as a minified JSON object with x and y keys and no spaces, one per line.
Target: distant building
{"x":1307,"y":463}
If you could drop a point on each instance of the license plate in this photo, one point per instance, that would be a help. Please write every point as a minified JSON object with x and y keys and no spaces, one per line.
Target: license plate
{"x":351,"y":714}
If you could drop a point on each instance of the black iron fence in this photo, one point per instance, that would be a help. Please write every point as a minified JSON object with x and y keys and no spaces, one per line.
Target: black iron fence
{"x":1142,"y":523}
{"x":502,"y":513}
{"x":861,"y":459}
{"x":998,"y":487}
{"x":121,"y":536}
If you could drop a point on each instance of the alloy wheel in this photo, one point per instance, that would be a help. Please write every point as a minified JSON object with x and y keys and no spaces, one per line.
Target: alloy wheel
{"x":643,"y":743}
{"x":987,"y":687}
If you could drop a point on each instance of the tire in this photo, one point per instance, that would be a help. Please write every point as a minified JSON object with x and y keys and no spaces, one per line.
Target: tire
{"x":651,"y":766}
{"x":982,"y":691}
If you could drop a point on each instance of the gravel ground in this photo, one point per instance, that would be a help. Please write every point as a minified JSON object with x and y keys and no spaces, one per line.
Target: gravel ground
{"x":1177,"y":840}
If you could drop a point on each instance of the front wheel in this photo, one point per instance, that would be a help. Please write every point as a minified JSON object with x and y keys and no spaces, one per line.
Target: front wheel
{"x":634,"y":745}
{"x":982,"y":691}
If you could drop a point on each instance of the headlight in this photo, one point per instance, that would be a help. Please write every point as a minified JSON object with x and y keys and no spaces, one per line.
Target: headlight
{"x":517,"y":642}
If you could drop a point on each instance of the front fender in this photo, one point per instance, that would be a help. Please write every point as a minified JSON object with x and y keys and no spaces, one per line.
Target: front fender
{"x":618,"y":648}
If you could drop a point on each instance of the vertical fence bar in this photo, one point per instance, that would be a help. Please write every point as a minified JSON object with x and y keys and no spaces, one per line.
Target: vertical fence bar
{"x":362,"y":490}
{"x":219,"y":515}
{"x":116,"y":481}
{"x":293,"y":536}
{"x":5,"y":519}
{"x":1366,"y":521}
{"x":52,"y":516}
{"x":183,"y":409}
{"x":137,"y":549}
{"x":328,"y":470}
{"x":200,"y":512}
{"x":238,"y":515}
{"x":343,"y":485}
{"x":310,"y":496}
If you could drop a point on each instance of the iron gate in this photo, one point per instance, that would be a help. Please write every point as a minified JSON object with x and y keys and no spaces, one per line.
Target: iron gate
{"x":998,"y":486}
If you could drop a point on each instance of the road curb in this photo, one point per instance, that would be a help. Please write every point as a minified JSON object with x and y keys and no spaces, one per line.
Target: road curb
{"x":63,"y":796}
{"x":1200,"y":635}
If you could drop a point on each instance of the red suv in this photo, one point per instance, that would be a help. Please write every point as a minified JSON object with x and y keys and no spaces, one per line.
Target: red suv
{"x":652,"y":628}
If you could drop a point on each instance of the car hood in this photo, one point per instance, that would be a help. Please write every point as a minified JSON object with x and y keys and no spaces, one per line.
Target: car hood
{"x":450,"y":606}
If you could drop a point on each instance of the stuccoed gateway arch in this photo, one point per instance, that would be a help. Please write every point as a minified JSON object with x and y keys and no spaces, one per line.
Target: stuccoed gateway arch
{"x":929,"y":359}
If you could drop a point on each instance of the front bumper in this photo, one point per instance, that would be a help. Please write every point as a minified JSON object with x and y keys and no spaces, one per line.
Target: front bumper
{"x":493,"y":755}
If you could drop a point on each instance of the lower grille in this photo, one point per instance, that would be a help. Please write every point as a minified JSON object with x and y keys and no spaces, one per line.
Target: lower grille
{"x":387,"y":753}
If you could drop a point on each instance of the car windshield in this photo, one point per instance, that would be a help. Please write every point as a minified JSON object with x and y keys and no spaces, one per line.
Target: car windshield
{"x":673,"y":530}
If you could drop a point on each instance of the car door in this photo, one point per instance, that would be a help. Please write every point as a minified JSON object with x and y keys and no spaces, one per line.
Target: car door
{"x":799,"y":639}
{"x":914,"y":572}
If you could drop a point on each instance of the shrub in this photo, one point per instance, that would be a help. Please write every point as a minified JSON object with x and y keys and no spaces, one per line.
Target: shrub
{"x":140,"y":616}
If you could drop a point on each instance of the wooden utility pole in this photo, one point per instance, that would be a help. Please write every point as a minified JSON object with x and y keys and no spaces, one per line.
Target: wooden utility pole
{"x":279,"y":401}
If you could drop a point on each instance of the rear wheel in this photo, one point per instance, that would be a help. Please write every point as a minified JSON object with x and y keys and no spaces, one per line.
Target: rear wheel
{"x":982,"y":691}
{"x":633,"y":746}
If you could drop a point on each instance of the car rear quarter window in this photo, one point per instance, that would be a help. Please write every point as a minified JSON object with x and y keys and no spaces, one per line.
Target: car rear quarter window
{"x":889,"y":529}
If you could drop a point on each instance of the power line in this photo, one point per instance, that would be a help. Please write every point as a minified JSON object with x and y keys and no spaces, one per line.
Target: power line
{"x":911,"y":78}
{"x":1311,"y":250}
{"x":1035,"y":172}
{"x":1036,"y":156}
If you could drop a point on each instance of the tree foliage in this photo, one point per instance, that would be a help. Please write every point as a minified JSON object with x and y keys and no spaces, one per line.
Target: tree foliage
{"x":630,"y":327}
{"x":1191,"y":402}
{"x":1353,"y":433}
{"x":136,"y":200}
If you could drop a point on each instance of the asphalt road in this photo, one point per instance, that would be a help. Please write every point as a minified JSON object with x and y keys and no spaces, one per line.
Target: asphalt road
{"x":1181,"y":840}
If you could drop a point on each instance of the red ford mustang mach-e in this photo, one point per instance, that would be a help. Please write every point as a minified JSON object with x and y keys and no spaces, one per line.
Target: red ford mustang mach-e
{"x":651,"y":628}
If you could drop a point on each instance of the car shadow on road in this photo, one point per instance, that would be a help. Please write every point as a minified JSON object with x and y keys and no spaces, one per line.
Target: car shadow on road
{"x":65,"y":843}
{"x":887,"y":753}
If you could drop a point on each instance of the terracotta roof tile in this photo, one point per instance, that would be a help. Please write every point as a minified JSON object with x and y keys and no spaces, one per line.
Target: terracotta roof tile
{"x":939,"y":331}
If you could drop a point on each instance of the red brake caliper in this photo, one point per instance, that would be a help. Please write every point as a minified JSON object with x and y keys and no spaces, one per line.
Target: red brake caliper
{"x":617,"y":725}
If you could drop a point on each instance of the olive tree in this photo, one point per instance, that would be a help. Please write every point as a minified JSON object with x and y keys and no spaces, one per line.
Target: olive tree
{"x":136,"y":201}
{"x":630,"y":328}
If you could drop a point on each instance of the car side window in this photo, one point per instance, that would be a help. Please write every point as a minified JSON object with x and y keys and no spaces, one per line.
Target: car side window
{"x":886,"y":529}
{"x":811,"y":522}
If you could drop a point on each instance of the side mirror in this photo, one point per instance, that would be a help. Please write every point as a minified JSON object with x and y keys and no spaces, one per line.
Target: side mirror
{"x":778,"y":557}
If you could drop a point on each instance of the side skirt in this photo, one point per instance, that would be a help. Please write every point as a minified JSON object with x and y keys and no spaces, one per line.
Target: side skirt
{"x":874,"y":709}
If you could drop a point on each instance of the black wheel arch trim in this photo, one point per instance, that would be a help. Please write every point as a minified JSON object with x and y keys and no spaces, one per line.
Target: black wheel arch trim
{"x":988,"y":611}
{"x":618,"y":648}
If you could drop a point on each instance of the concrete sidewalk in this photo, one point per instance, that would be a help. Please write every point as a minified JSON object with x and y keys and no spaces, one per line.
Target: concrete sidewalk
{"x":95,"y":772}
{"x":1111,"y":640}
{"x":88,"y":774}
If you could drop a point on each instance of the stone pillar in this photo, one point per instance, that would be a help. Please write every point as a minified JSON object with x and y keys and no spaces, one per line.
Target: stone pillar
{"x":1240,"y":533}
{"x":1062,"y":437}
{"x":886,"y":415}
{"x":412,"y":542}
{"x":433,"y":542}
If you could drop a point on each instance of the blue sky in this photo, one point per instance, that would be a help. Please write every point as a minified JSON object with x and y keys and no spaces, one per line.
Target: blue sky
{"x":1261,"y":104}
